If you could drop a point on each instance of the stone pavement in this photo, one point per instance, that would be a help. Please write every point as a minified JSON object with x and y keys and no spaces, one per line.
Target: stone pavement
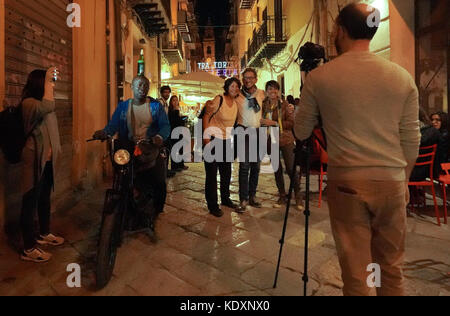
{"x":200,"y":255}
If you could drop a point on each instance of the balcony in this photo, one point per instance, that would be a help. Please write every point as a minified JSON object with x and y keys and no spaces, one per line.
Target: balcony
{"x":173,"y":51}
{"x":268,"y":41}
{"x":247,"y":4}
{"x":152,"y":17}
{"x":183,"y":27}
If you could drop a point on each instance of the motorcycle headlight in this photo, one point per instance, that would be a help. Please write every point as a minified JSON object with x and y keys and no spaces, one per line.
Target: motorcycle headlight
{"x":122,"y":157}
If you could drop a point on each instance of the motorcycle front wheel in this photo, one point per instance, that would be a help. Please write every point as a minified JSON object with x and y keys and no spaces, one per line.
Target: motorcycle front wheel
{"x":108,"y":244}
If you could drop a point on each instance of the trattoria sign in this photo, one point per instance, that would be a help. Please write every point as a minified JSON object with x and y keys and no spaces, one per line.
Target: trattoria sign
{"x":215,"y":65}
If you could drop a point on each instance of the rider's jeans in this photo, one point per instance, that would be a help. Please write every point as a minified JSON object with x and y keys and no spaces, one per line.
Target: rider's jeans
{"x":155,"y":179}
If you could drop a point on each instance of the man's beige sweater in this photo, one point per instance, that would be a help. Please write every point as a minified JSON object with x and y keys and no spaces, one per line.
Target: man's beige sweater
{"x":369,"y":108}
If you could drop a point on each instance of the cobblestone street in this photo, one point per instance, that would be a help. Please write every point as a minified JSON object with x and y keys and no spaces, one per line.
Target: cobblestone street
{"x":200,"y":255}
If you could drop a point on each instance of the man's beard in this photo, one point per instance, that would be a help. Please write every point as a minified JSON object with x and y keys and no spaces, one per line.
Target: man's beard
{"x":338,"y":46}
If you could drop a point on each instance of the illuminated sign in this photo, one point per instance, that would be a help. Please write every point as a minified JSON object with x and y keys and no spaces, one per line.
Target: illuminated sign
{"x":215,"y":65}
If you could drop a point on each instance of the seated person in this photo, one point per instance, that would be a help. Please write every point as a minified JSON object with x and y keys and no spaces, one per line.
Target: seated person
{"x":439,"y":121}
{"x":430,"y":136}
{"x":148,"y":122}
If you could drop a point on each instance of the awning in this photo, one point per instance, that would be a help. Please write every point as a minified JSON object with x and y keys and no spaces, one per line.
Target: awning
{"x":197,"y":83}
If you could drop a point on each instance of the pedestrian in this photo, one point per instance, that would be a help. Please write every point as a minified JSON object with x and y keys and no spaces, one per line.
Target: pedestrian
{"x":165,"y":92}
{"x":369,"y":109}
{"x":220,"y":117}
{"x":176,"y":120}
{"x":249,"y":117}
{"x":39,"y":156}
{"x":280,"y":114}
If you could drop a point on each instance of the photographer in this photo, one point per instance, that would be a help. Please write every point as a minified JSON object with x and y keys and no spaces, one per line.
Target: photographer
{"x":369,"y":108}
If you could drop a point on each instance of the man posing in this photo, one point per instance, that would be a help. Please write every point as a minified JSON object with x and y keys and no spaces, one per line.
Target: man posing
{"x":369,"y":108}
{"x":148,"y":122}
{"x":249,"y":116}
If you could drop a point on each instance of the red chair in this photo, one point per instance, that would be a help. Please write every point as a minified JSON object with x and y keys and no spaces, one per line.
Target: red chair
{"x":445,"y":180}
{"x":323,"y":163}
{"x":427,"y":159}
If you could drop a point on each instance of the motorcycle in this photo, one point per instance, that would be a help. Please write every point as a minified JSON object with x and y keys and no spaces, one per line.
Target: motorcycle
{"x":125,"y":209}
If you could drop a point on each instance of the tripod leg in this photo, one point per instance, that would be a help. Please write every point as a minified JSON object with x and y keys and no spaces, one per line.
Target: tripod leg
{"x":288,"y":204}
{"x":307,"y":214}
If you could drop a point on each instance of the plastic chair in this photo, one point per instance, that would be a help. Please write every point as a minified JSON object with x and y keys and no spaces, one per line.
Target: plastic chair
{"x":445,"y":180}
{"x":427,"y":159}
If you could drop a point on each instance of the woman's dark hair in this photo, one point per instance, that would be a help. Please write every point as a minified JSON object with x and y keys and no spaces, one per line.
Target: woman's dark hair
{"x":170,"y":102}
{"x":444,"y":120}
{"x":35,"y":86}
{"x":423,"y":116}
{"x":272,"y":84}
{"x":291,"y":99}
{"x":229,"y":82}
{"x":354,"y":19}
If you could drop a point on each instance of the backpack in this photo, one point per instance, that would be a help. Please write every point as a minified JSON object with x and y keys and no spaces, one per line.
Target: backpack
{"x":12,"y":134}
{"x":202,"y":113}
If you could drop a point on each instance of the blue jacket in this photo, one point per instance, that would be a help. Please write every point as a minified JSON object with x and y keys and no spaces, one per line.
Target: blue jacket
{"x":160,"y":125}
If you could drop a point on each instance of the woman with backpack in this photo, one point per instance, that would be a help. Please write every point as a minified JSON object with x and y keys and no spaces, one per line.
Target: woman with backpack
{"x":219,"y":117}
{"x":39,"y":156}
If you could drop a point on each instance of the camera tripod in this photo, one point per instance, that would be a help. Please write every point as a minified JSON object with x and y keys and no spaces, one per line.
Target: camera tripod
{"x":302,"y":153}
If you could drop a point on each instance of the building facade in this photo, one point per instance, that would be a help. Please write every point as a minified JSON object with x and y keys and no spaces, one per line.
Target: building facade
{"x":414,"y":34}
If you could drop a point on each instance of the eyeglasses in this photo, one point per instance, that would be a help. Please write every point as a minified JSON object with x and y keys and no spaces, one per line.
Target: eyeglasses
{"x":249,"y":78}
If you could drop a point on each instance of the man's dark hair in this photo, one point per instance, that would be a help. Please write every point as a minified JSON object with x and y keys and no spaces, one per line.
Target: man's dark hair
{"x":164,"y":88}
{"x":229,"y":82}
{"x":272,"y":84}
{"x":354,"y":19}
{"x":35,"y":86}
{"x":250,"y":70}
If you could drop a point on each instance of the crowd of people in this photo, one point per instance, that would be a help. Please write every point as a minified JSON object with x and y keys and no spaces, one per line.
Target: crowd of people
{"x":371,"y":124}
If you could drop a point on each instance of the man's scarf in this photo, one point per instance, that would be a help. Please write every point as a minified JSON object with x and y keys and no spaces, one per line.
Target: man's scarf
{"x":252,"y":102}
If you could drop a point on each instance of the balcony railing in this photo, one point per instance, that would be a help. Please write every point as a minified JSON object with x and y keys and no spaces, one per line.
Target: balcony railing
{"x":268,"y":41}
{"x":173,"y":50}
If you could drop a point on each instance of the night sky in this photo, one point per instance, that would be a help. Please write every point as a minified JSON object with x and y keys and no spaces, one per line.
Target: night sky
{"x":214,"y":12}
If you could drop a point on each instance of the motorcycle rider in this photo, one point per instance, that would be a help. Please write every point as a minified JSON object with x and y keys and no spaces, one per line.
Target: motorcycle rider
{"x":150,"y":122}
